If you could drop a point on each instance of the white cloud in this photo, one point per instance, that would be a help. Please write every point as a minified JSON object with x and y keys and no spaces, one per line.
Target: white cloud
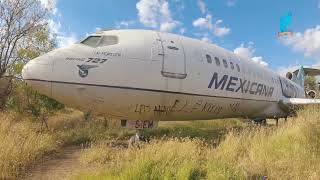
{"x":307,"y":42}
{"x":54,"y":26}
{"x":65,"y":41}
{"x":248,"y":51}
{"x":164,"y":9}
{"x":206,"y":23}
{"x":156,"y":14}
{"x":260,"y":60}
{"x":206,"y":38}
{"x":63,"y":38}
{"x":125,"y":24}
{"x":245,"y":52}
{"x":231,"y":2}
{"x":220,"y":31}
{"x":168,"y":26}
{"x":147,"y":11}
{"x":183,"y":30}
{"x":202,"y":6}
{"x":50,"y":5}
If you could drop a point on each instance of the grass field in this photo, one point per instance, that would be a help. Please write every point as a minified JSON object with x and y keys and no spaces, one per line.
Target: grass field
{"x":289,"y":151}
{"x":217,"y":149}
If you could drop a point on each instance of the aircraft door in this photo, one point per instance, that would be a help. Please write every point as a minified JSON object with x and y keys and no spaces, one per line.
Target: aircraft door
{"x":174,"y":60}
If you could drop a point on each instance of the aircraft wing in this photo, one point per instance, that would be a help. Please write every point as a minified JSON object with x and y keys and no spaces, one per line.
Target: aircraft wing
{"x":300,"y":101}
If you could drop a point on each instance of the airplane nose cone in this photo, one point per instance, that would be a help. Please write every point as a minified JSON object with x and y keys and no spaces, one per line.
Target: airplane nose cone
{"x":37,"y":74}
{"x":25,"y":73}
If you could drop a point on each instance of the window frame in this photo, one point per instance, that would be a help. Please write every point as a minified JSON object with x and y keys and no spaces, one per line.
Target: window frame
{"x":104,"y":36}
{"x":217,"y":60}
{"x":238,"y":68}
{"x":231,"y":65}
{"x":209,"y":59}
{"x":100,"y":37}
{"x":225,"y":63}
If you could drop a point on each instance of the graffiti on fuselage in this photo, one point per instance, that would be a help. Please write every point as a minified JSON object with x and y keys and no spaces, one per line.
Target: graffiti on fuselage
{"x":184,"y":106}
{"x":239,"y":85}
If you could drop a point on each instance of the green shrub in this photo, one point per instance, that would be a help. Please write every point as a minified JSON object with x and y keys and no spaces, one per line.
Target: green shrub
{"x":25,"y":100}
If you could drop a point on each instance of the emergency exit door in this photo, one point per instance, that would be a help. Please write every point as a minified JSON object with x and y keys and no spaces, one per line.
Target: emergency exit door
{"x":174,"y":60}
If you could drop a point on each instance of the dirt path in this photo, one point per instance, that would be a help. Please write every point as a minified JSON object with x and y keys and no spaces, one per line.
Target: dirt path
{"x":61,"y":166}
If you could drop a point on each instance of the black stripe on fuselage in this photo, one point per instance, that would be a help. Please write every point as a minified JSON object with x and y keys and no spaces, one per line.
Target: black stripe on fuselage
{"x":143,"y":89}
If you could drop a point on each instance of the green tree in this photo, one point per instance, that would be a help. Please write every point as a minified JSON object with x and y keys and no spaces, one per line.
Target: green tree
{"x":310,"y":83}
{"x":23,"y":99}
{"x":21,"y":23}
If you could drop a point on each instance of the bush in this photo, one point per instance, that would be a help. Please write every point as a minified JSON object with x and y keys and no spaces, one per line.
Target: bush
{"x":25,"y":100}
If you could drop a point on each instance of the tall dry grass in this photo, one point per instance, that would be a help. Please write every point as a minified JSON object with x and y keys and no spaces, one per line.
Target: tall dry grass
{"x":289,"y":151}
{"x":24,"y":141}
{"x":21,"y":144}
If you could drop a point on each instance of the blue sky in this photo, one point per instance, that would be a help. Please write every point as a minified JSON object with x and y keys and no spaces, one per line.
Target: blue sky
{"x":247,"y":27}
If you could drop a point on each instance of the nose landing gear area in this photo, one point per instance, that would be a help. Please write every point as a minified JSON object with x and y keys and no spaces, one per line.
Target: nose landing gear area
{"x":139,"y":126}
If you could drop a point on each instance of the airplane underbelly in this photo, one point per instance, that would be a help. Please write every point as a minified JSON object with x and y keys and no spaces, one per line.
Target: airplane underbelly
{"x":151,"y":104}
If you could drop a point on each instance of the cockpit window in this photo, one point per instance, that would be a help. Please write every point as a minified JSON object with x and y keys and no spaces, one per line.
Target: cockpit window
{"x":91,"y":41}
{"x":95,"y":41}
{"x":108,"y":40}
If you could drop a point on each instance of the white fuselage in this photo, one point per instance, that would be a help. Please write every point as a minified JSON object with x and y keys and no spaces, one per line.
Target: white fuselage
{"x":148,"y":75}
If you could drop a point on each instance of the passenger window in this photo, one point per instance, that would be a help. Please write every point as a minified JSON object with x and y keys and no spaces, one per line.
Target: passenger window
{"x":108,"y":40}
{"x":238,"y":68}
{"x":217,"y":61}
{"x":231,"y":65}
{"x":209,"y":60}
{"x":91,"y":41}
{"x":225,"y":64}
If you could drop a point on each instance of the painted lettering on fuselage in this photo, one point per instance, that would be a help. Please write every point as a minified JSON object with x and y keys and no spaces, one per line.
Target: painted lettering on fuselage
{"x":88,"y":60}
{"x":239,"y":85}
